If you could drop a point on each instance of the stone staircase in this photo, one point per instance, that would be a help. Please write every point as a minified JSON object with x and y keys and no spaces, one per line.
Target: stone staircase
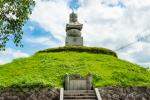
{"x":79,"y":88}
{"x":79,"y":95}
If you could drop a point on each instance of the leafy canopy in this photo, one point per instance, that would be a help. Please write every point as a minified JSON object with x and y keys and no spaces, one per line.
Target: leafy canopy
{"x":13,"y":14}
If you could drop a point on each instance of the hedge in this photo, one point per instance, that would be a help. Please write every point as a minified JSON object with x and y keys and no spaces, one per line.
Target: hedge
{"x":94,"y":50}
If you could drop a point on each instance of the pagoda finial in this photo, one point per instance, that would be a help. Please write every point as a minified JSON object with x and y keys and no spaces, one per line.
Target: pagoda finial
{"x":72,"y":10}
{"x":73,"y":17}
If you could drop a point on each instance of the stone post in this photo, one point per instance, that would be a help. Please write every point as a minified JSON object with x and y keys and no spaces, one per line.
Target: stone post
{"x":67,"y":82}
{"x":89,"y":82}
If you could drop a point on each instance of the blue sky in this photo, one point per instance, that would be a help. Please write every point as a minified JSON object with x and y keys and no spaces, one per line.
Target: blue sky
{"x":106,"y":23}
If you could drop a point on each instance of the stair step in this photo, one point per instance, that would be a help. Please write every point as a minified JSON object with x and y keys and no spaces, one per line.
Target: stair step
{"x":79,"y":91}
{"x":79,"y":94}
{"x":79,"y":97}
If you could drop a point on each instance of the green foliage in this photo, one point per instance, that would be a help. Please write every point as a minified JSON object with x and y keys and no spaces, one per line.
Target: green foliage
{"x":13,"y":14}
{"x":49,"y":69}
{"x":82,"y":49}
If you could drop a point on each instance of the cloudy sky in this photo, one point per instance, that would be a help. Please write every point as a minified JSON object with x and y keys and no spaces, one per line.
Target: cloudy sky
{"x":107,"y":23}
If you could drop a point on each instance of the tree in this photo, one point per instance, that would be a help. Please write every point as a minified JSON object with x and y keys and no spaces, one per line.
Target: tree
{"x":13,"y":14}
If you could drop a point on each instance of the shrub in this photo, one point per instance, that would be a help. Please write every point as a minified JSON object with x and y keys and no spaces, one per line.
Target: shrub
{"x":81,"y":49}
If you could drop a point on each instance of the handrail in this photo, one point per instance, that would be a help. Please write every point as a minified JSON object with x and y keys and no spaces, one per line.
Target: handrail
{"x":98,"y":94}
{"x":61,"y":93}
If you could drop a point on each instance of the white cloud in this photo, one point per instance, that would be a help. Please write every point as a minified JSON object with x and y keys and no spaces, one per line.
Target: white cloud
{"x":52,"y":15}
{"x":113,"y":27}
{"x":3,"y":62}
{"x":105,"y":26}
{"x":10,"y":54}
{"x":45,"y":41}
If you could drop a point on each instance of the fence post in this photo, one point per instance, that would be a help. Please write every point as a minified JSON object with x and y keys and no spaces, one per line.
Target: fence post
{"x":67,"y":81}
{"x":89,"y":82}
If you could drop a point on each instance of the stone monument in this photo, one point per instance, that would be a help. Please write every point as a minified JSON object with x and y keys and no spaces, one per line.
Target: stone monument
{"x":73,"y":31}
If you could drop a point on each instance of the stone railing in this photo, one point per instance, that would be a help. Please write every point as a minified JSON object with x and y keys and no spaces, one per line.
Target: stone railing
{"x":61,"y":93}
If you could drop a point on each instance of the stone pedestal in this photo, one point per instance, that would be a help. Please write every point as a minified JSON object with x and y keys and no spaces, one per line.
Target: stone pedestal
{"x":74,"y":41}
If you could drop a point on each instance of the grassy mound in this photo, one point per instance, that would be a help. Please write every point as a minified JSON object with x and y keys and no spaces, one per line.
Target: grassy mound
{"x":82,"y":49}
{"x":49,"y":68}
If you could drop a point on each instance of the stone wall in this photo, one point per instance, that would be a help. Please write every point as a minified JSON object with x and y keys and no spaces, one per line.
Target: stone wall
{"x":29,"y":94}
{"x":128,"y":93}
{"x":107,"y":93}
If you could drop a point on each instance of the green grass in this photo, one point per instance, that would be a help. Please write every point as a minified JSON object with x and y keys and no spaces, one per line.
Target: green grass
{"x":49,"y":69}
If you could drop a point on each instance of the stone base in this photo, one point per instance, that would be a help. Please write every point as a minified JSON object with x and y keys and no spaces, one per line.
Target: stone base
{"x":74,"y":41}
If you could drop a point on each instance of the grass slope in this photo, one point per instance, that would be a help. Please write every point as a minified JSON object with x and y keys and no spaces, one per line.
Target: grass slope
{"x":50,"y":68}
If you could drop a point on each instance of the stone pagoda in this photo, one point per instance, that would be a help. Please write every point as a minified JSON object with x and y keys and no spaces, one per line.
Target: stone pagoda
{"x":73,"y":31}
